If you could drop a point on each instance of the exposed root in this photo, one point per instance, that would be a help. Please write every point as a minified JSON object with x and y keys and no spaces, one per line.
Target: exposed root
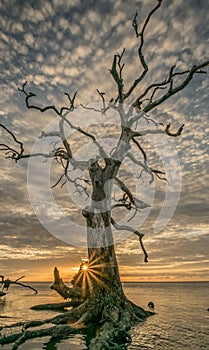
{"x":111,"y":322}
{"x":58,"y":306}
{"x":104,"y":317}
{"x":110,"y":337}
{"x":115,"y":324}
{"x":74,"y":314}
{"x":53,"y":332}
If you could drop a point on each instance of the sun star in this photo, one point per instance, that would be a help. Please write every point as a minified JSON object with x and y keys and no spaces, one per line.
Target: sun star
{"x":85,"y":267}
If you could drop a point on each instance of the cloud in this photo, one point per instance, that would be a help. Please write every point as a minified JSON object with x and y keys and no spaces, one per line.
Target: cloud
{"x":59,"y":46}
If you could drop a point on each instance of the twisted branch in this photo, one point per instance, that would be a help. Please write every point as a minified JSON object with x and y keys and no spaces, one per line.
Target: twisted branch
{"x":14,"y":154}
{"x":136,"y":232}
{"x":140,"y":49}
{"x":172,"y":89}
{"x":159,"y":131}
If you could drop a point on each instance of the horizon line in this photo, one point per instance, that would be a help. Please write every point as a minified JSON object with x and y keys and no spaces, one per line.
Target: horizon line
{"x":196,"y":281}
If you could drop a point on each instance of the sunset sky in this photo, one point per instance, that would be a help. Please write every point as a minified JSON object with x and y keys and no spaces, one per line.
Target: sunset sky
{"x":66,"y":46}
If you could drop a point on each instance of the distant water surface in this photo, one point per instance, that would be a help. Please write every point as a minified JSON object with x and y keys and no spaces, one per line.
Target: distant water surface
{"x":181,"y":321}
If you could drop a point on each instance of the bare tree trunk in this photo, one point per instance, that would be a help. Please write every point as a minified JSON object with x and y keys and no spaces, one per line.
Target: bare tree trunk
{"x":105,"y":303}
{"x":102,"y":276}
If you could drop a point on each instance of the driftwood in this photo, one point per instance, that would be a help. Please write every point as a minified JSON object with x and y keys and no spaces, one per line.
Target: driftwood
{"x":5,"y":284}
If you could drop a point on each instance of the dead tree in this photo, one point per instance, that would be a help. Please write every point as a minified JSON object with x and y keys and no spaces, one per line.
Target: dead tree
{"x":106,"y":303}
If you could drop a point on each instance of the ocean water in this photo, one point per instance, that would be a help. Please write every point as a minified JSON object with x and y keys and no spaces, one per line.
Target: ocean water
{"x":181,"y":321}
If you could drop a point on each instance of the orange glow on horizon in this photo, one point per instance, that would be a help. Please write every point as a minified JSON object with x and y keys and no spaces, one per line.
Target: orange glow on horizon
{"x":127,"y":273}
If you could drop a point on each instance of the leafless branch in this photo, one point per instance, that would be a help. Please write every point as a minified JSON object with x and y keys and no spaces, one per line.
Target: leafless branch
{"x":47,"y":108}
{"x":140,"y":49}
{"x":5,"y":283}
{"x":125,"y":189}
{"x":72,"y":100}
{"x":63,"y":119}
{"x":38,"y":154}
{"x":56,"y":110}
{"x":154,"y":92}
{"x":177,"y":133}
{"x":122,"y":202}
{"x":19,"y":278}
{"x":120,"y":65}
{"x":116,"y":72}
{"x":90,"y":108}
{"x":58,"y":181}
{"x":138,"y":162}
{"x":133,"y":215}
{"x":172,"y":90}
{"x":159,"y":131}
{"x":141,"y":149}
{"x":77,"y":181}
{"x":137,"y":203}
{"x":104,"y":108}
{"x":15,"y":153}
{"x":25,"y":286}
{"x":136,"y":232}
{"x":160,"y":84}
{"x":158,"y":173}
{"x":169,"y":81}
{"x":141,"y":115}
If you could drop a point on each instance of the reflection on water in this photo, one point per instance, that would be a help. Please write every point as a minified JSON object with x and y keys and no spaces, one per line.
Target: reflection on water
{"x":180,"y":323}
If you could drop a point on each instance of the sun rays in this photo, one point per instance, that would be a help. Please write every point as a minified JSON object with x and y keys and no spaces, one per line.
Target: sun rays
{"x":85,"y":267}
{"x":92,"y":272}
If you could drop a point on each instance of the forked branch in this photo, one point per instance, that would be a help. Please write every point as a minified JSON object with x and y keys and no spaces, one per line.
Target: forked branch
{"x":140,"y":49}
{"x":172,"y":88}
{"x":28,"y":95}
{"x":11,"y":152}
{"x":136,"y":232}
{"x":137,"y":203}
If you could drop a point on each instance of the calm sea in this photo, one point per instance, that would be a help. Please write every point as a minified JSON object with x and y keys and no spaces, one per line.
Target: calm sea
{"x":181,"y":321}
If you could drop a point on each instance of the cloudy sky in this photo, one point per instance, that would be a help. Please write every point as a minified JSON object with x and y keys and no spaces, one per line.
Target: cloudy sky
{"x":66,"y":46}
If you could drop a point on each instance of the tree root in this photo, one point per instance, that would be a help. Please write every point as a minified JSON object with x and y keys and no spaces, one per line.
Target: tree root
{"x":111,"y":322}
{"x":74,"y":314}
{"x":58,"y":306}
{"x":110,"y":337}
{"x":113,"y":332}
{"x":20,"y":338}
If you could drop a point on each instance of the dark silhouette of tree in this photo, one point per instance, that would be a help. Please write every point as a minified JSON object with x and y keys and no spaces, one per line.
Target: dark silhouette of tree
{"x":103,"y":300}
